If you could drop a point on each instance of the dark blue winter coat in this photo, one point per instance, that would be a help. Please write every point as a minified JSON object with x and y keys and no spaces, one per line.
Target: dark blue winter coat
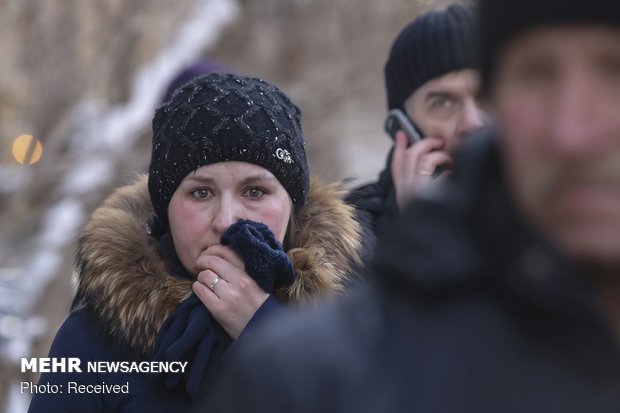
{"x":132,"y":302}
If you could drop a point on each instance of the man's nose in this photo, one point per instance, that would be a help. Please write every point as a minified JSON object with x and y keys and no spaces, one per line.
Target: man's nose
{"x":472,"y":118}
{"x":576,"y":129}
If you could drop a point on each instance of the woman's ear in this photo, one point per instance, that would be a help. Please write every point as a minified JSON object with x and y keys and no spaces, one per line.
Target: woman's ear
{"x":155,"y":227}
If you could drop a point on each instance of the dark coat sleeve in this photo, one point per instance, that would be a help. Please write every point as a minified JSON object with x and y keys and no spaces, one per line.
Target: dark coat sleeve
{"x":299,"y":363}
{"x":270,"y":308}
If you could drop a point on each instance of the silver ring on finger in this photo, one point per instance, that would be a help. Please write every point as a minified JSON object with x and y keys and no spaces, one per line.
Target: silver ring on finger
{"x":214,"y":283}
{"x":425,"y":173}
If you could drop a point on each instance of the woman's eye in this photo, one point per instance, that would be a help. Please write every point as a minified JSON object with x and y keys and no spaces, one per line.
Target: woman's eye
{"x":255,"y":193}
{"x":202,"y":193}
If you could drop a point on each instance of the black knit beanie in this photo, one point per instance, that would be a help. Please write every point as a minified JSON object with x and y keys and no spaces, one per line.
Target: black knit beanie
{"x":503,"y":20}
{"x":431,"y":46}
{"x":223,"y":117}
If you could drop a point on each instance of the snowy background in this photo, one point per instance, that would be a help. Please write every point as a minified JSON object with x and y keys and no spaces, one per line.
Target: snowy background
{"x":82,"y":77}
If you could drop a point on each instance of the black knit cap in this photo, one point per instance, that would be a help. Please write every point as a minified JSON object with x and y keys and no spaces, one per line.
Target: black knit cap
{"x":223,"y":117}
{"x":431,"y":46}
{"x":503,"y":20}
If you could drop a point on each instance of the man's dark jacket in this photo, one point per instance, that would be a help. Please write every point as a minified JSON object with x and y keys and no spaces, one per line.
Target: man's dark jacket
{"x":469,"y":311}
{"x":375,"y":206}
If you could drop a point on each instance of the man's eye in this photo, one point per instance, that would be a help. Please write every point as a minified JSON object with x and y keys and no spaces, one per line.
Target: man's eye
{"x":255,"y":193}
{"x":611,"y":68}
{"x":442,"y":103}
{"x":536,"y":73}
{"x":202,"y":193}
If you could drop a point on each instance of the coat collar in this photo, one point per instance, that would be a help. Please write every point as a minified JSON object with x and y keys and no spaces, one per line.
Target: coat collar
{"x":122,"y":278}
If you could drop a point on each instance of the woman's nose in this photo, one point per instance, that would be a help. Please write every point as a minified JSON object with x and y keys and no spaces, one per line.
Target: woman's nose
{"x":226,"y":214}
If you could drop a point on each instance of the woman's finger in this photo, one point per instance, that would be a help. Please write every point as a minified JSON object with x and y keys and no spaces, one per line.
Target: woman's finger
{"x":206,"y":296}
{"x":213,"y":281}
{"x":226,"y":253}
{"x":223,"y":268}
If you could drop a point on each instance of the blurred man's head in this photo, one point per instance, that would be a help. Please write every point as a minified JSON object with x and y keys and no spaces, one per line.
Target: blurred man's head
{"x":552,"y":71}
{"x":431,"y":74}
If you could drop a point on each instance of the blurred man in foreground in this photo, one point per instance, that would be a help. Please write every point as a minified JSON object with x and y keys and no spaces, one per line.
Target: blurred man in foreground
{"x":500,"y":293}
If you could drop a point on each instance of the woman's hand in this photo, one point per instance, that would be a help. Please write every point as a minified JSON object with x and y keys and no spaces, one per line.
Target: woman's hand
{"x":227,"y":291}
{"x":413,"y":166}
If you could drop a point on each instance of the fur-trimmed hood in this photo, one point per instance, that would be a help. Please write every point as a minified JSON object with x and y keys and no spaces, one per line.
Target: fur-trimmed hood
{"x":122,"y":278}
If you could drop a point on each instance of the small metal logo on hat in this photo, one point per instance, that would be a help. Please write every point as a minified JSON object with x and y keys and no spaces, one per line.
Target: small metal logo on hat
{"x":284,"y":155}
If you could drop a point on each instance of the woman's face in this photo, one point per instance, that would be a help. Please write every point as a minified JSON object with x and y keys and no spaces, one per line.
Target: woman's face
{"x":212,"y":198}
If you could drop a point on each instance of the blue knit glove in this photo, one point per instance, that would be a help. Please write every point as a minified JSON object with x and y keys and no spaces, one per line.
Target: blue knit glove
{"x":190,"y":334}
{"x":265,"y":260}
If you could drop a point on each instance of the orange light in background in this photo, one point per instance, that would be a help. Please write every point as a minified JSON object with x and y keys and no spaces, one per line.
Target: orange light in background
{"x":27,"y":149}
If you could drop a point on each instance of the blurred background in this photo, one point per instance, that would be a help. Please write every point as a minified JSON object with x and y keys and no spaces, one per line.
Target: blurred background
{"x":80,"y":82}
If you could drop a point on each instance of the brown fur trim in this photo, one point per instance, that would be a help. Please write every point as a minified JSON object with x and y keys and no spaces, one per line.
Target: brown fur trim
{"x":122,"y":278}
{"x":326,"y":246}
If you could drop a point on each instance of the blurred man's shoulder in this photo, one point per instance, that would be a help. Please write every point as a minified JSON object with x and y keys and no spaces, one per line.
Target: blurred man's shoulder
{"x":336,"y":328}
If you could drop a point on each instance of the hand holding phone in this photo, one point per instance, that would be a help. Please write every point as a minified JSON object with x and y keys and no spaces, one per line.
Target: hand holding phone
{"x":397,"y":120}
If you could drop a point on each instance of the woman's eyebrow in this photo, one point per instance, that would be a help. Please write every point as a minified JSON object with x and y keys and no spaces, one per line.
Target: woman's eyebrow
{"x":201,"y":179}
{"x":245,"y":181}
{"x":257,"y":178}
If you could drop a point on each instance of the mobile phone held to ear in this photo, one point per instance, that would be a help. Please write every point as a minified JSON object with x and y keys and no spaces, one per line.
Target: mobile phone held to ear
{"x":397,"y":120}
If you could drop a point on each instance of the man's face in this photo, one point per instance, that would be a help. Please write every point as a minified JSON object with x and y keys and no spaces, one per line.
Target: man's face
{"x":446,"y":107}
{"x":557,"y":95}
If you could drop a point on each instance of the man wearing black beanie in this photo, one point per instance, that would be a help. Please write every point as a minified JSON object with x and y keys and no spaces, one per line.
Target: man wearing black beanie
{"x":431,"y":77}
{"x":501,"y":292}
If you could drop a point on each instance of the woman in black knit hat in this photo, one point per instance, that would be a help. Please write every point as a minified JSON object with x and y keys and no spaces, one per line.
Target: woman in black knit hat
{"x":173,"y":269}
